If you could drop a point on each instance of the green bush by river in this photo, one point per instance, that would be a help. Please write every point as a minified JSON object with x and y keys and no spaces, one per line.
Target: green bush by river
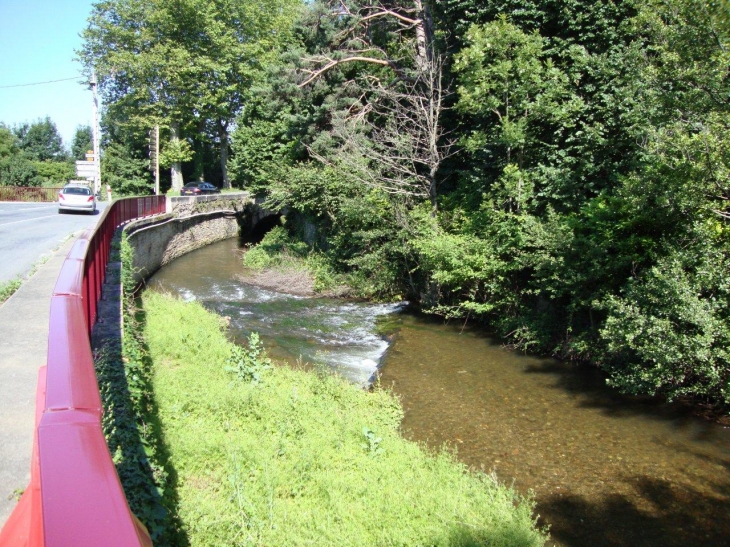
{"x":276,"y":456}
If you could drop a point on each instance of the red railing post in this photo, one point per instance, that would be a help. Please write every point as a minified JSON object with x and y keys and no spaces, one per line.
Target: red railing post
{"x":98,"y":274}
{"x":89,"y":273}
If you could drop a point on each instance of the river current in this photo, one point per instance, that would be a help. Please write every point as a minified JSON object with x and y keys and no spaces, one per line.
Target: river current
{"x":605,"y":469}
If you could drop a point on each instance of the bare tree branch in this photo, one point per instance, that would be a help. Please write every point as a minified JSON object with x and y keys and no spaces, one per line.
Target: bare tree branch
{"x":390,"y":13}
{"x":334,"y":62}
{"x":391,"y":135}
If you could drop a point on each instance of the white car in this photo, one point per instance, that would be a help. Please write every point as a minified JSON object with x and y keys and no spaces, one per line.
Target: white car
{"x":76,"y":198}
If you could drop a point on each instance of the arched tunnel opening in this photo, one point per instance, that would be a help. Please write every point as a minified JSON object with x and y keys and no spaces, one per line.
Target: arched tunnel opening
{"x":256,"y":233}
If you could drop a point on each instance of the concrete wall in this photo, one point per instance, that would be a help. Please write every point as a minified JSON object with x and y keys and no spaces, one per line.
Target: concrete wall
{"x":161,"y":240}
{"x":190,"y":223}
{"x":181,"y":206}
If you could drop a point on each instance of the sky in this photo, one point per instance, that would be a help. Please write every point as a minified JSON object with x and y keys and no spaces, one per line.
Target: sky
{"x":37,"y":43}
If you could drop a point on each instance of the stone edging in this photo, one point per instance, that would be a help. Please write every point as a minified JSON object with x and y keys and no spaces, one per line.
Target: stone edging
{"x":161,"y":240}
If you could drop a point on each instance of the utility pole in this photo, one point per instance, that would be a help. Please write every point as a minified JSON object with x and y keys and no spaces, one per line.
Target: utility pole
{"x":155,"y":156}
{"x":97,"y":157}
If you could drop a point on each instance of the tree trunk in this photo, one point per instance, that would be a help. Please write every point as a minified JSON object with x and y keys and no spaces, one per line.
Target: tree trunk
{"x":433,"y":196}
{"x":223,"y":134}
{"x":199,"y":157}
{"x":176,"y":176}
{"x":423,"y":38}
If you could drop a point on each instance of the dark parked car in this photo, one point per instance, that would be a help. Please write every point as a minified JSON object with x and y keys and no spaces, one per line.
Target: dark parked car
{"x":198,"y":189}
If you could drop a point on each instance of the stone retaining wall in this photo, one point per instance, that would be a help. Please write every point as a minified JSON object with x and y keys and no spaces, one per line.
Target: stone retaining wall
{"x":182,"y":206}
{"x":161,"y":240}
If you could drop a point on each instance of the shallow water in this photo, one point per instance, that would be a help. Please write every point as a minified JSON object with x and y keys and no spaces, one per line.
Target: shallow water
{"x":606,"y":470}
{"x":330,"y":332}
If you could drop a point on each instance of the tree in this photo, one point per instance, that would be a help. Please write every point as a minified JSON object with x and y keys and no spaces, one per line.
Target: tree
{"x":239,"y":40}
{"x":40,"y":140}
{"x":396,"y":142}
{"x":506,"y":84}
{"x":183,"y":65}
{"x":83,"y":142}
{"x":8,"y":143}
{"x":54,"y":173}
{"x":126,"y":174}
{"x":32,"y":155}
{"x":391,"y":135}
{"x":18,"y":170}
{"x":124,"y":159}
{"x":137,"y":51}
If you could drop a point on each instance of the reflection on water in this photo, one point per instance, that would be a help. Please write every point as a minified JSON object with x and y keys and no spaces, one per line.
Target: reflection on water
{"x":606,"y":470}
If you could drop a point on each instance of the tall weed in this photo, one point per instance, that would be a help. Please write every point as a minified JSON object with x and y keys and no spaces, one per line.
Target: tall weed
{"x":8,"y":288}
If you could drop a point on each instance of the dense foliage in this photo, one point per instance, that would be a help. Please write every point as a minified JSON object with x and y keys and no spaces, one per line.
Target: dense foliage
{"x":557,"y":170}
{"x":32,"y":154}
{"x":182,"y":66}
{"x":130,"y":422}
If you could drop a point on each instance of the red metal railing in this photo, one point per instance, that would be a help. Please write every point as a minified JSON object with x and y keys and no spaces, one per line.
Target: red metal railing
{"x":75,"y":497}
{"x":28,"y":193}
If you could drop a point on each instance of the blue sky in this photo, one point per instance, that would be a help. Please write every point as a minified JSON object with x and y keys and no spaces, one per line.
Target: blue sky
{"x":37,"y":43}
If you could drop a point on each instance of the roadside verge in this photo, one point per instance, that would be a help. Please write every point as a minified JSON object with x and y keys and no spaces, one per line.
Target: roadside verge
{"x":23,"y":350}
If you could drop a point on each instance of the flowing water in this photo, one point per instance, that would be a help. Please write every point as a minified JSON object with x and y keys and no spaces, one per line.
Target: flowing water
{"x":605,"y":470}
{"x":330,"y":332}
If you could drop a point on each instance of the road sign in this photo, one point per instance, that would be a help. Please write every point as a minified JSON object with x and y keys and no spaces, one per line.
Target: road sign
{"x":85,"y":169}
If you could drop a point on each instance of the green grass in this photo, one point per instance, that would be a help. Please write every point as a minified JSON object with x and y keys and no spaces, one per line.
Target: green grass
{"x":7,"y":288}
{"x":304,"y":458}
{"x":281,"y":252}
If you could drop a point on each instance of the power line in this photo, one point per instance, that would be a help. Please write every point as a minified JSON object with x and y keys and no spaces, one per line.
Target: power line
{"x":39,"y":83}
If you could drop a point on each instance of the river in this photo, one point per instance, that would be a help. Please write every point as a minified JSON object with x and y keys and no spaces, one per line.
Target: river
{"x":605,"y":469}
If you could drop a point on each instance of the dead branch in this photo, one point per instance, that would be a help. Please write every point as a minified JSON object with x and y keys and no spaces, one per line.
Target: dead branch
{"x":391,"y":136}
{"x":334,"y":62}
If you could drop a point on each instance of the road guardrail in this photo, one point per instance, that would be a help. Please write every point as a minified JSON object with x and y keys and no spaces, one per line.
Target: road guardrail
{"x":75,"y":497}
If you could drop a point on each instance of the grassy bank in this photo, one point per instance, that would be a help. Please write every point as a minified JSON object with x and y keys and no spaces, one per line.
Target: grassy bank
{"x":275,"y":456}
{"x":279,"y":255}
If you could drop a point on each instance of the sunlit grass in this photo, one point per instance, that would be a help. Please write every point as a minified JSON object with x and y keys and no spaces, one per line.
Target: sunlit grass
{"x":304,"y":458}
{"x":278,"y":251}
{"x":8,"y":288}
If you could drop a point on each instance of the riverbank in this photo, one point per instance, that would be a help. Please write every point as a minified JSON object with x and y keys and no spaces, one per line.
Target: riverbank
{"x":297,"y":457}
{"x":605,"y":469}
{"x":291,"y":279}
{"x":278,"y":263}
{"x":285,"y":265}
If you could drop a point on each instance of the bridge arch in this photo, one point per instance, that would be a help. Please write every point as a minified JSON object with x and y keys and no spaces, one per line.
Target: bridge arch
{"x":260,"y":228}
{"x":255,"y":222}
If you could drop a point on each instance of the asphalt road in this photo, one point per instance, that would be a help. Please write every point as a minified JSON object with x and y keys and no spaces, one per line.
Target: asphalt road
{"x":30,"y":231}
